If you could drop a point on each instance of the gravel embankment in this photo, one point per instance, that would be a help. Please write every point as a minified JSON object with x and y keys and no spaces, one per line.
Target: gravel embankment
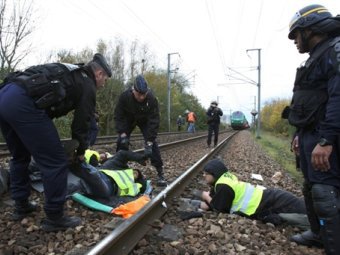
{"x":211,"y":234}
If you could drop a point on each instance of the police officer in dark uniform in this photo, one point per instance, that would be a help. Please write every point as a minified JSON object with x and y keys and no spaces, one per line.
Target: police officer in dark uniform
{"x":29,"y":100}
{"x":315,"y":111}
{"x":213,"y":114}
{"x":137,"y":106}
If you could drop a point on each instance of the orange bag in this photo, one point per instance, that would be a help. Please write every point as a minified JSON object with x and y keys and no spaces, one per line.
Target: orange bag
{"x":130,"y":208}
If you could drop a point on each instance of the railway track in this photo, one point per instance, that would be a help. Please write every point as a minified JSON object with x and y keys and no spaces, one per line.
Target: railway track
{"x":101,"y":233}
{"x":136,"y":141}
{"x":122,"y":240}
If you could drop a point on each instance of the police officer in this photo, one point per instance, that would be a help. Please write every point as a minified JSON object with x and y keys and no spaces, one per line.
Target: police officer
{"x":213,"y":115}
{"x":28,"y":102}
{"x":137,"y":106}
{"x":315,"y":111}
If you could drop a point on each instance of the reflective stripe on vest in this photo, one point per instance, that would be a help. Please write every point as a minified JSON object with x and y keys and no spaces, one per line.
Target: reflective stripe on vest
{"x":89,"y":154}
{"x":247,"y":197}
{"x":125,"y":181}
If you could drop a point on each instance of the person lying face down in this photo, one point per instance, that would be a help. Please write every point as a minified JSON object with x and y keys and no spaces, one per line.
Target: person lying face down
{"x":114,"y":177}
{"x":230,"y":195}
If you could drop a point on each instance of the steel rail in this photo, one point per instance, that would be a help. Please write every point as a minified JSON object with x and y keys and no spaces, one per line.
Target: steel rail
{"x":124,"y":238}
{"x":101,"y":140}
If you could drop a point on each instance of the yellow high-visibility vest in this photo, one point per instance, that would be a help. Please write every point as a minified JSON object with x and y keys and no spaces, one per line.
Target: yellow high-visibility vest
{"x":247,"y":197}
{"x":125,"y":181}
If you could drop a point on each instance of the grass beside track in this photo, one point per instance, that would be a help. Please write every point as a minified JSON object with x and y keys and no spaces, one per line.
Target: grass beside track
{"x":278,"y":147}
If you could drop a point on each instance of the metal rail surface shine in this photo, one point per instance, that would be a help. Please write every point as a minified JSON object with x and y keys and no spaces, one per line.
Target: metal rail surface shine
{"x":124,"y":238}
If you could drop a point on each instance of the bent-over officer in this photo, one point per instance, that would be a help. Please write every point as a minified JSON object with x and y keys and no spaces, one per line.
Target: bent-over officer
{"x":137,"y":106}
{"x":29,"y":100}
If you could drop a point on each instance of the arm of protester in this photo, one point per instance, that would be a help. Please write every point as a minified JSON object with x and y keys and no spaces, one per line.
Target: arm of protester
{"x":223,"y":198}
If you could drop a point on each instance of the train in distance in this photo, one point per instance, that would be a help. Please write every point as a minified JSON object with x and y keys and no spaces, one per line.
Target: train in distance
{"x":238,"y":121}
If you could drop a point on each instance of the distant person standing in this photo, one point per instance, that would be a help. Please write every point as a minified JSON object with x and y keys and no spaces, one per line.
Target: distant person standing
{"x":179,"y":122}
{"x":137,"y":106}
{"x":29,"y":100}
{"x":191,"y":119}
{"x":213,"y":114}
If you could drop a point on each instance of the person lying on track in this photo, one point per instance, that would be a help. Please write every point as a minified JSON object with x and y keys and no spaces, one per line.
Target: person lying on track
{"x":114,"y":177}
{"x":230,"y":195}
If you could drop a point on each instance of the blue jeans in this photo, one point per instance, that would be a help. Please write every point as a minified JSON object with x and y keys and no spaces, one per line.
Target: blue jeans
{"x":97,"y":183}
{"x":191,"y":128}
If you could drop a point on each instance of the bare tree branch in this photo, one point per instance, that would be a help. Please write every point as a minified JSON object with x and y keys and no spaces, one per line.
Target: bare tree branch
{"x":15,"y":28}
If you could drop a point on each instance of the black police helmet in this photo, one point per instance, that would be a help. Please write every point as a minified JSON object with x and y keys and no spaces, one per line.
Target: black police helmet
{"x":140,"y":85}
{"x":216,"y":168}
{"x":100,"y":60}
{"x":307,"y":17}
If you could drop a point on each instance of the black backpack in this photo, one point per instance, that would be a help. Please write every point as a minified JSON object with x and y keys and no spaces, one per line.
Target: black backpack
{"x":45,"y":83}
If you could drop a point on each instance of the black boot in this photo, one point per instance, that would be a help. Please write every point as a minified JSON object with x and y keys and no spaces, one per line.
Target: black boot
{"x":52,"y":224}
{"x":22,"y":209}
{"x":330,"y":235}
{"x":310,"y":237}
{"x":307,"y":238}
{"x":326,"y":203}
{"x":161,"y":182}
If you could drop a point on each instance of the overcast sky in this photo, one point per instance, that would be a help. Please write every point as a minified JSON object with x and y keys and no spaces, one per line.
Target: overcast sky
{"x":211,"y":36}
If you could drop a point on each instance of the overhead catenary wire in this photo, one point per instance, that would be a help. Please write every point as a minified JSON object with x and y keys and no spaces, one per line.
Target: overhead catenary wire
{"x":210,"y":12}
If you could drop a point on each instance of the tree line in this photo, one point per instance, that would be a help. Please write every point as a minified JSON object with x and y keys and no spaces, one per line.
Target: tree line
{"x":271,"y":118}
{"x":126,"y":60}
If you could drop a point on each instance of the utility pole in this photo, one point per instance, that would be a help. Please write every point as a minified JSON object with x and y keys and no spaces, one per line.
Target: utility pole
{"x":245,"y":79}
{"x":258,"y":92}
{"x":143,"y":61}
{"x":169,"y":90}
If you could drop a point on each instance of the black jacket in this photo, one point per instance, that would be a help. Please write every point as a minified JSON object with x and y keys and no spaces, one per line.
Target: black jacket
{"x":130,"y":113}
{"x":80,"y":97}
{"x":214,"y":114}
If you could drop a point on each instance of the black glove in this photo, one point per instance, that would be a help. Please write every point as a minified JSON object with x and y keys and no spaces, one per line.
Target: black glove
{"x":124,"y":143}
{"x":148,"y":149}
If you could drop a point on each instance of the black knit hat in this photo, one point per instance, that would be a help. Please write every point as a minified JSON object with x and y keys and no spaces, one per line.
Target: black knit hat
{"x":216,"y":168}
{"x":100,"y":60}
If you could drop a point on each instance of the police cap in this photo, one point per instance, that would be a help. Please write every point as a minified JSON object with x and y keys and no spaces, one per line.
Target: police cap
{"x":100,"y":60}
{"x":140,"y":85}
